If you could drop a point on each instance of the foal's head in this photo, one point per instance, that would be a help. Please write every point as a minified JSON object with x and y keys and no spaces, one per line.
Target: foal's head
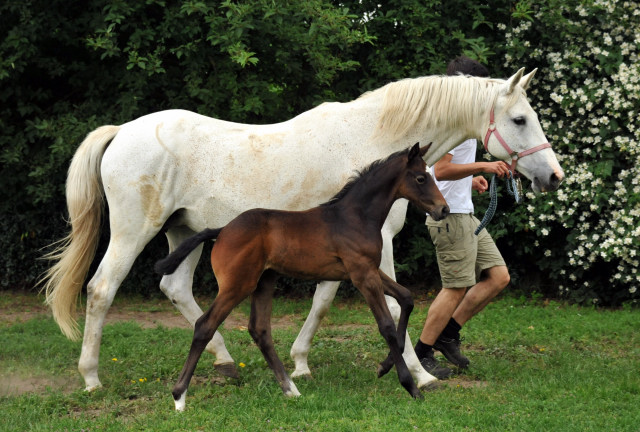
{"x":418,"y":186}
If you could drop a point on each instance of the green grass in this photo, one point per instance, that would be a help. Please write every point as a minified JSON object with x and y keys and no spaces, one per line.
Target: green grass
{"x":534,"y":367}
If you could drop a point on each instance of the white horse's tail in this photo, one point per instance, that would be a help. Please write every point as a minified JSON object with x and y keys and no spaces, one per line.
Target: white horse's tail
{"x":74,"y":253}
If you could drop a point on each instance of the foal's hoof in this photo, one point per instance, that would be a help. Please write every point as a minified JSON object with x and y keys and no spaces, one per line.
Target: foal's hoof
{"x":417,"y":395}
{"x":227,"y":369}
{"x":384,"y":368}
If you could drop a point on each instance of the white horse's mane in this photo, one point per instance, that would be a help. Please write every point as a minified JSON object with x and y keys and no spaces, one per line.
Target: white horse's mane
{"x":450,"y":101}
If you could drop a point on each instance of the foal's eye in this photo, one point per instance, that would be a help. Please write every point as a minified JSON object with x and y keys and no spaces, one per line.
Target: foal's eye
{"x":420,"y":179}
{"x":519,"y":121}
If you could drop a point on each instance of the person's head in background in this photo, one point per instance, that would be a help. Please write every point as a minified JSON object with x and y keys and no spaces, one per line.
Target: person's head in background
{"x":463,"y":65}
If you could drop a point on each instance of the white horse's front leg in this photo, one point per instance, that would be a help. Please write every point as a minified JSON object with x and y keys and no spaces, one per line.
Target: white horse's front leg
{"x":324,"y":295}
{"x":392,"y":226}
{"x":177,"y":287}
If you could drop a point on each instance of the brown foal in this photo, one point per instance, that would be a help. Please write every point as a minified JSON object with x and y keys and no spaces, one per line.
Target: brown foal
{"x":338,"y":240}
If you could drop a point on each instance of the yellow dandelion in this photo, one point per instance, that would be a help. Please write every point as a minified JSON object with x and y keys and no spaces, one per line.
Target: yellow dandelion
{"x":114,"y":359}
{"x":241,"y":364}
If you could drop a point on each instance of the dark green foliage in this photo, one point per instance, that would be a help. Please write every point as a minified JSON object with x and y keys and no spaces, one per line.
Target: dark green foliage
{"x":67,"y":68}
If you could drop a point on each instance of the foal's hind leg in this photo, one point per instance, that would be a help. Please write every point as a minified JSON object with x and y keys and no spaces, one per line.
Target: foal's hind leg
{"x":204,"y":330}
{"x":177,"y":287}
{"x":260,"y":330}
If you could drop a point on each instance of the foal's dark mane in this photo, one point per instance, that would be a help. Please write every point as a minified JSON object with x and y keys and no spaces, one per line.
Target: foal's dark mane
{"x":363,"y":175}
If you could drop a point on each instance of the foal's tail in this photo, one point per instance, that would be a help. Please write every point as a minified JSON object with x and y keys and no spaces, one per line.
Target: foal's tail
{"x":169,"y":264}
{"x":74,"y":253}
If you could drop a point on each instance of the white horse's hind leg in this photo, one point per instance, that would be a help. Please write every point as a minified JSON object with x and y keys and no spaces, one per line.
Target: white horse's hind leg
{"x":177,"y":287}
{"x":324,"y":295}
{"x":101,"y":290}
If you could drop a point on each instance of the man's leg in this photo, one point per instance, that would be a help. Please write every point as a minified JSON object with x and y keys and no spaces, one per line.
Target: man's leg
{"x":438,"y":315}
{"x":479,"y":295}
{"x":476,"y":298}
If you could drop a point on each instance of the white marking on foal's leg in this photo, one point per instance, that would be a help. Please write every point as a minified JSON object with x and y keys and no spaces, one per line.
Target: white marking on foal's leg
{"x":423,"y":378}
{"x":181,"y":401}
{"x":293,"y":390}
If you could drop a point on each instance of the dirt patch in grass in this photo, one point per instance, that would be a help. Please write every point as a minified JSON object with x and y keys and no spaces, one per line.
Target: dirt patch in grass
{"x":464,"y":382}
{"x":17,"y":383}
{"x":17,"y":308}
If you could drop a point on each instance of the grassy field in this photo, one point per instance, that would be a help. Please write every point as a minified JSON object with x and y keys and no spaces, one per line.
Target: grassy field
{"x":535,"y":366}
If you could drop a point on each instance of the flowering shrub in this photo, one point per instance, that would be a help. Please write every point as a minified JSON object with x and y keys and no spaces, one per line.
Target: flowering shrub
{"x":587,"y":94}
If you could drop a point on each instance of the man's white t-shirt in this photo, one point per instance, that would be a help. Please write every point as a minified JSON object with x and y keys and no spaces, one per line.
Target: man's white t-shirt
{"x":458,"y":192}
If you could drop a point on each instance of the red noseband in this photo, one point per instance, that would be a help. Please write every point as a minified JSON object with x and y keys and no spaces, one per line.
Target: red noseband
{"x":514,"y":155}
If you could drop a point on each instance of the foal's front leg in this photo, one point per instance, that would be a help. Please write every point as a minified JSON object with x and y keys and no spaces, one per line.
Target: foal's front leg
{"x":371,"y":289}
{"x":403,"y":296}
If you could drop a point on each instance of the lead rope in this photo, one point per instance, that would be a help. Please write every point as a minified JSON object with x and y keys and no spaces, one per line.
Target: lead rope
{"x":513,"y":187}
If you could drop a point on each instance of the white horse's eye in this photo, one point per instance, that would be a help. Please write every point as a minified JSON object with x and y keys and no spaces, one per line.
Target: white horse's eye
{"x":519,"y":121}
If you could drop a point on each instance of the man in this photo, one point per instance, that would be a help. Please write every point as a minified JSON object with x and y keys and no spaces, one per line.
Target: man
{"x":472,"y":269}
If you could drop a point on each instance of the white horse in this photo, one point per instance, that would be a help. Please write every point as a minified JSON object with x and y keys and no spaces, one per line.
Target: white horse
{"x":182,"y":172}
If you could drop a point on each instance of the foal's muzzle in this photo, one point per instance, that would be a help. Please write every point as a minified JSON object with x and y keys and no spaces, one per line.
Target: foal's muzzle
{"x":439,"y":213}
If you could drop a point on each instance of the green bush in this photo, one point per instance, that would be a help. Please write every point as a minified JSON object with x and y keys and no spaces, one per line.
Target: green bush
{"x":67,"y":69}
{"x":585,"y":237}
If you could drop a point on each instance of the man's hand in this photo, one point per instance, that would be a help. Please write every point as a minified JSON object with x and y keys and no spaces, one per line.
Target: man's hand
{"x":479,"y":184}
{"x":499,"y":168}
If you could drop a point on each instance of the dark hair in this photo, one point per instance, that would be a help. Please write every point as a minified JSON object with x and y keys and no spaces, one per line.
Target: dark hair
{"x":466,"y":66}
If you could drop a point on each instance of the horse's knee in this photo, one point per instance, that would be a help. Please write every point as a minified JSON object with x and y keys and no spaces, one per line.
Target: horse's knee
{"x":174,"y":287}
{"x":203,"y":330}
{"x":98,"y":295}
{"x":256,"y":335}
{"x":323,"y":297}
{"x":388,"y":329}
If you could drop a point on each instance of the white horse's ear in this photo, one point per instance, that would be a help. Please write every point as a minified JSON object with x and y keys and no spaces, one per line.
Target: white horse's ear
{"x":514,"y":80}
{"x":525,"y":80}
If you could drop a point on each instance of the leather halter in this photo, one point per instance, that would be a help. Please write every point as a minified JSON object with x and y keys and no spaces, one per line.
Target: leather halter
{"x":514,"y":155}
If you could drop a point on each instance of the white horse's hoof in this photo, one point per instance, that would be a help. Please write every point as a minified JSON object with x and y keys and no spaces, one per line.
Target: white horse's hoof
{"x":304,"y":373}
{"x":430,"y":385}
{"x":92,"y":387}
{"x":181,"y":402}
{"x":227,"y":369}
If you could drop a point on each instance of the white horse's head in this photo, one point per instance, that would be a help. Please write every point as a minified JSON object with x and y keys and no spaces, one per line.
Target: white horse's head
{"x":514,"y":135}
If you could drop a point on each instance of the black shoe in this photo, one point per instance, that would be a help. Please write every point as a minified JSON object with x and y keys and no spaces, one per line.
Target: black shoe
{"x":430,"y":364}
{"x":450,"y":348}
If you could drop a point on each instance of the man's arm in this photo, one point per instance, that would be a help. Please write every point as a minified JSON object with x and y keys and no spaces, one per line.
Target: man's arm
{"x":445,"y":170}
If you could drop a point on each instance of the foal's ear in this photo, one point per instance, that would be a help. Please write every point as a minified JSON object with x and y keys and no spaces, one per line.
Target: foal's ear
{"x":414,"y":151}
{"x":425,"y":149}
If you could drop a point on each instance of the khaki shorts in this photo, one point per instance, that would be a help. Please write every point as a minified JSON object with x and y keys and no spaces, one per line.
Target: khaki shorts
{"x":462,"y":255}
